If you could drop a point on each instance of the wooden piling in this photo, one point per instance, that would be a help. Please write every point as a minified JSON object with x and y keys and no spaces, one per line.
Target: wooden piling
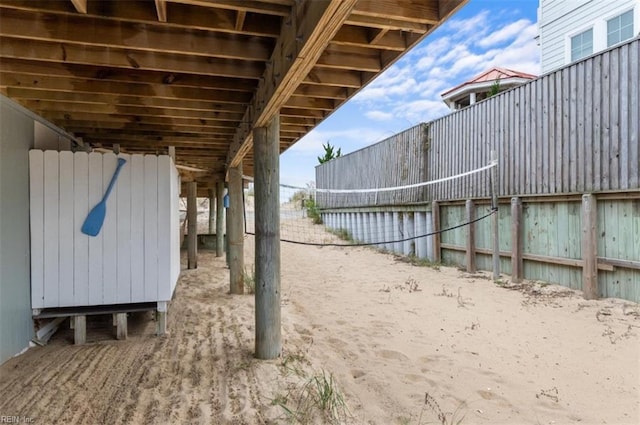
{"x":121,"y":325}
{"x":192,"y":225}
{"x":267,"y":261}
{"x":79,"y":329}
{"x":212,"y":210}
{"x":235,"y":238}
{"x":589,"y":247}
{"x":220,"y":219}
{"x":516,"y":240}
{"x":471,"y":237}
{"x":161,"y":318}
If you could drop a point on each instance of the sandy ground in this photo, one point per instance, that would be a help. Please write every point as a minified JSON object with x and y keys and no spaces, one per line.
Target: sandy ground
{"x":403,"y":344}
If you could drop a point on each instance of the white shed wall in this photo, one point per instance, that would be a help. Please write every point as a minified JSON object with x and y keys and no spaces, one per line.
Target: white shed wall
{"x":561,"y":19}
{"x":135,"y":257}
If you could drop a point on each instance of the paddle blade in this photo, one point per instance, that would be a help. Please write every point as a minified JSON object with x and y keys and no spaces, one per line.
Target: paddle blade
{"x":93,"y":223}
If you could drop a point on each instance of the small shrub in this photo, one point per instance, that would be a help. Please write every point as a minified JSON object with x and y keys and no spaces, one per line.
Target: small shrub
{"x":249,"y":277}
{"x":312,"y":211}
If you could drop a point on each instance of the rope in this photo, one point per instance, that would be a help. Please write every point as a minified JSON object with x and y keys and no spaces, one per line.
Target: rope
{"x":492,"y":211}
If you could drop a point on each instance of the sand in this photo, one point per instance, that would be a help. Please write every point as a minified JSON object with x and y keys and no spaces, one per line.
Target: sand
{"x":389,"y":334}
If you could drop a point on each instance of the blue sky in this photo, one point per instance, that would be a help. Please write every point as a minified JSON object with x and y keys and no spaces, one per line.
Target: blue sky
{"x":483,"y":34}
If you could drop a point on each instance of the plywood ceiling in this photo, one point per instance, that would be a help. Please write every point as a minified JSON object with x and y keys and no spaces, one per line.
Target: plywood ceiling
{"x":200,"y":74}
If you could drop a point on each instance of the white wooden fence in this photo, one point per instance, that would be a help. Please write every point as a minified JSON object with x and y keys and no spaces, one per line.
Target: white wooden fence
{"x":135,"y":257}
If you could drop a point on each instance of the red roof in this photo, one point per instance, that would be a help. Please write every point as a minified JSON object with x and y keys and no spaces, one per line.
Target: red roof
{"x":492,"y":75}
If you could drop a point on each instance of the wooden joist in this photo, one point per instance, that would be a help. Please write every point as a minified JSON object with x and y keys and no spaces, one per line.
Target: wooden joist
{"x":312,"y":25}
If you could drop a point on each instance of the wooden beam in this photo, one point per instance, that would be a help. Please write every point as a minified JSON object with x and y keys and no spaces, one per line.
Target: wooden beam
{"x":313,"y":23}
{"x":241,"y":14}
{"x":589,"y":247}
{"x":192,"y":225}
{"x":379,"y":35}
{"x":20,"y":69}
{"x":161,"y":8}
{"x":236,"y":231}
{"x":424,"y":12}
{"x":387,"y":22}
{"x":80,"y":5}
{"x":334,"y":77}
{"x":45,"y":51}
{"x":183,"y":17}
{"x":350,"y":35}
{"x":268,"y":344}
{"x":92,"y":87}
{"x":122,"y":100}
{"x":265,"y":8}
{"x":98,"y":32}
{"x":55,"y":106}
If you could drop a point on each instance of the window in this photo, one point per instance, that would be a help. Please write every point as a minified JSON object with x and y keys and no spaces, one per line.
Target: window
{"x":620,"y":28}
{"x":582,"y":45}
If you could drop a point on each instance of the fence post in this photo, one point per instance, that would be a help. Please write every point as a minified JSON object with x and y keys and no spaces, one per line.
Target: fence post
{"x":435,"y":218}
{"x":471,"y":237}
{"x":495,"y":218}
{"x":589,"y":247}
{"x":516,"y":240}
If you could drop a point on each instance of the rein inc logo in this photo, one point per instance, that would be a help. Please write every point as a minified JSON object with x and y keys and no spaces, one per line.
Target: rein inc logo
{"x":5,"y":419}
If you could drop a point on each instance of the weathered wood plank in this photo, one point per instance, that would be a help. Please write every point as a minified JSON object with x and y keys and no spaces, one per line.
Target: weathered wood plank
{"x":471,"y":244}
{"x":589,"y":247}
{"x":268,"y":344}
{"x":192,"y":225}
{"x":236,"y":231}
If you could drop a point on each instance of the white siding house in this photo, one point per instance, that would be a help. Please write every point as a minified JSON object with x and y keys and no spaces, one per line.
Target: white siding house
{"x":573,"y":29}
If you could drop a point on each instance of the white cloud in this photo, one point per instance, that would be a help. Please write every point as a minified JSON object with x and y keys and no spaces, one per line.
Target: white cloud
{"x":505,"y":33}
{"x":348,"y":139}
{"x":421,"y":110}
{"x":379,"y":115}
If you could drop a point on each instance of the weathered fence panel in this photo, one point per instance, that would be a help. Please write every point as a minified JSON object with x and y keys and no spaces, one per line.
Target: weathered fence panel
{"x":619,"y":238}
{"x":398,"y":161}
{"x":575,"y":130}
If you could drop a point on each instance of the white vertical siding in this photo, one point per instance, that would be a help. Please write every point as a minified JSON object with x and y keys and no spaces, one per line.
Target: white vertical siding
{"x":561,"y":19}
{"x":134,"y":258}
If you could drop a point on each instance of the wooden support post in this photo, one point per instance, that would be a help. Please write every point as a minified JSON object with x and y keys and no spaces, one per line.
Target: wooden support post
{"x":516,"y":240}
{"x":219,"y":218}
{"x":589,"y":247}
{"x":121,"y":325}
{"x":495,"y":218}
{"x":79,"y":329}
{"x":267,"y":199}
{"x":172,"y":153}
{"x":236,"y":231}
{"x":212,"y":210}
{"x":437,"y":240}
{"x":192,"y":225}
{"x":161,"y":318}
{"x":471,"y":237}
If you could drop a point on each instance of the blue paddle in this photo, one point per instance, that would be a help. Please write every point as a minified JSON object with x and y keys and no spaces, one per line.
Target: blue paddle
{"x":93,"y":223}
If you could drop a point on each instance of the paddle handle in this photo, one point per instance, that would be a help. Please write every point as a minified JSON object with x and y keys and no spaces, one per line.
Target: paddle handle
{"x":121,"y":162}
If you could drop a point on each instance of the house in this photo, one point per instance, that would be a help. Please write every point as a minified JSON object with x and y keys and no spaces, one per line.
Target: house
{"x":481,"y":87}
{"x":220,"y":88}
{"x":574,"y":29}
